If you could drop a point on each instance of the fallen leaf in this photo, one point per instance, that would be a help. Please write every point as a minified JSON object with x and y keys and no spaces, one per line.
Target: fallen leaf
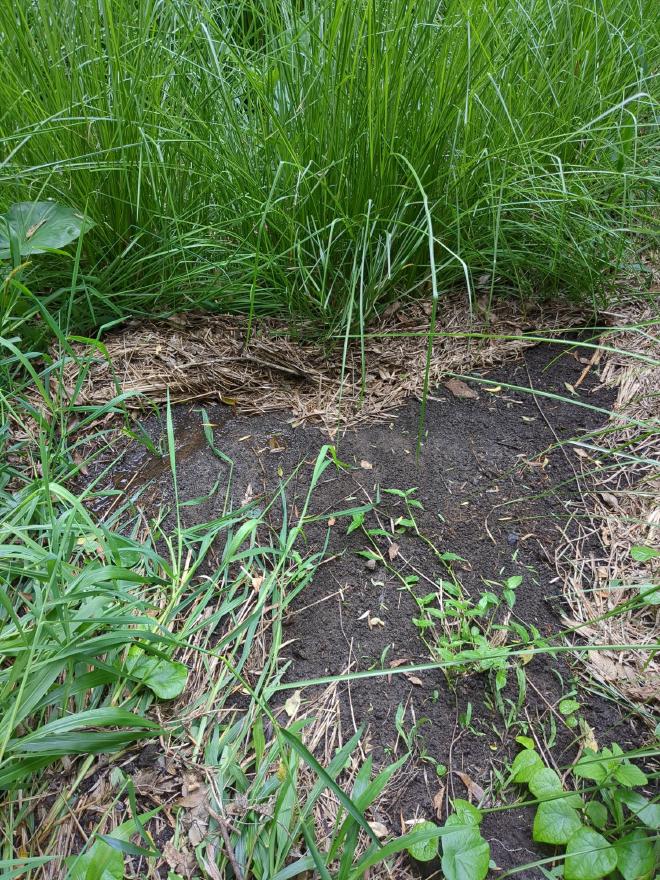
{"x":400,"y":662}
{"x":609,"y":499}
{"x":257,"y":582}
{"x":460,"y":389}
{"x":196,"y":833}
{"x":493,"y":389}
{"x":379,"y":829}
{"x":292,"y":704}
{"x":332,"y":521}
{"x":414,"y":680}
{"x":194,"y":800}
{"x":589,"y":737}
{"x":366,"y":465}
{"x":569,"y":388}
{"x":539,"y":462}
{"x":370,"y":564}
{"x":393,"y":551}
{"x":438,"y":802}
{"x":182,"y":863}
{"x":474,"y":790}
{"x":375,"y":621}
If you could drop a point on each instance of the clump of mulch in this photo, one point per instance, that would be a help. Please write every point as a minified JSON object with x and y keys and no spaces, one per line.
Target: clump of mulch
{"x":622,"y":474}
{"x":200,"y":356}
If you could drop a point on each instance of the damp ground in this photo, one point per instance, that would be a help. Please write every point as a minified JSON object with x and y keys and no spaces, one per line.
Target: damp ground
{"x":486,"y":498}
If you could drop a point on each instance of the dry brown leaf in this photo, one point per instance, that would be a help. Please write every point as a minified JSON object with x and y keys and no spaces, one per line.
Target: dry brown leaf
{"x":393,"y":551}
{"x":400,"y":662}
{"x":379,"y":829}
{"x":257,"y":582}
{"x":589,"y":737}
{"x":460,"y":389}
{"x":646,"y":694}
{"x":439,"y":802}
{"x":366,"y":465}
{"x":609,"y":499}
{"x":474,"y":790}
{"x":413,"y":679}
{"x":374,"y":622}
{"x":182,"y":863}
{"x":197,"y":832}
{"x":292,"y":704}
{"x":194,"y":800}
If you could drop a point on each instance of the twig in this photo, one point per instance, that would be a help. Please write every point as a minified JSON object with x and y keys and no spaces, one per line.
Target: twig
{"x":231,"y":855}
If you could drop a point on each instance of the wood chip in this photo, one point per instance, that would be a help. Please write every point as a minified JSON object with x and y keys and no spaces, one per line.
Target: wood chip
{"x":460,"y":389}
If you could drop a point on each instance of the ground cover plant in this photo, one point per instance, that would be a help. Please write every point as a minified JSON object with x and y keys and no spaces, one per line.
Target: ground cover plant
{"x":289,"y":157}
{"x":112,"y":616}
{"x":230,"y":648}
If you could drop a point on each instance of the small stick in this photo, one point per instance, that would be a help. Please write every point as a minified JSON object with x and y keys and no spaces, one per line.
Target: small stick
{"x":231,"y":855}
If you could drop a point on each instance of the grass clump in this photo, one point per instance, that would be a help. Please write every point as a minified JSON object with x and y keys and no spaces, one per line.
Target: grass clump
{"x":275,"y":157}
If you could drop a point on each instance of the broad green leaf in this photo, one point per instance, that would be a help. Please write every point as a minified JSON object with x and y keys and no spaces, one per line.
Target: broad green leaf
{"x":630,"y":776}
{"x":166,"y":678}
{"x":525,"y":741}
{"x":588,"y":856}
{"x":649,"y":594}
{"x":555,"y":822}
{"x":635,"y":856}
{"x":646,"y":812}
{"x":568,"y":706}
{"x":465,"y":855}
{"x":525,"y":764}
{"x":545,"y":783}
{"x":597,"y":814}
{"x":591,"y":766}
{"x":424,"y":850}
{"x":466,"y":812}
{"x":41,"y":226}
{"x":643,"y":554}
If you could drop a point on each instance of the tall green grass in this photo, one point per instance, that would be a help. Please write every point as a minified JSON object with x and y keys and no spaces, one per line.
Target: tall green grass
{"x":267,"y":156}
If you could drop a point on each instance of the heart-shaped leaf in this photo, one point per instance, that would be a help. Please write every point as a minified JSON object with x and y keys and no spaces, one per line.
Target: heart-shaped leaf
{"x":39,"y":227}
{"x":424,"y":850}
{"x":525,"y":764}
{"x":545,"y":783}
{"x":635,"y":856}
{"x":588,"y":856}
{"x":555,"y":822}
{"x":166,"y":678}
{"x":465,"y":854}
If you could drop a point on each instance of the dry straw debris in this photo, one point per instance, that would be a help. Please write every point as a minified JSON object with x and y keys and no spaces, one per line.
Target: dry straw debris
{"x":196,"y":356}
{"x":624,"y":498}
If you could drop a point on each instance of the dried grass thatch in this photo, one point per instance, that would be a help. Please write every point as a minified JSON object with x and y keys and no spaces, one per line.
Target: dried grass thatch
{"x":624,"y":500}
{"x":195,"y":356}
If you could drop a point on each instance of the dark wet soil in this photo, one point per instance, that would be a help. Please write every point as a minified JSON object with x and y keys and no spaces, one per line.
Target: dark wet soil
{"x":497,"y":491}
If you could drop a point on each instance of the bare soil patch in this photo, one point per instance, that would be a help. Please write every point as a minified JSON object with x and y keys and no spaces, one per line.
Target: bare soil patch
{"x":498,"y":487}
